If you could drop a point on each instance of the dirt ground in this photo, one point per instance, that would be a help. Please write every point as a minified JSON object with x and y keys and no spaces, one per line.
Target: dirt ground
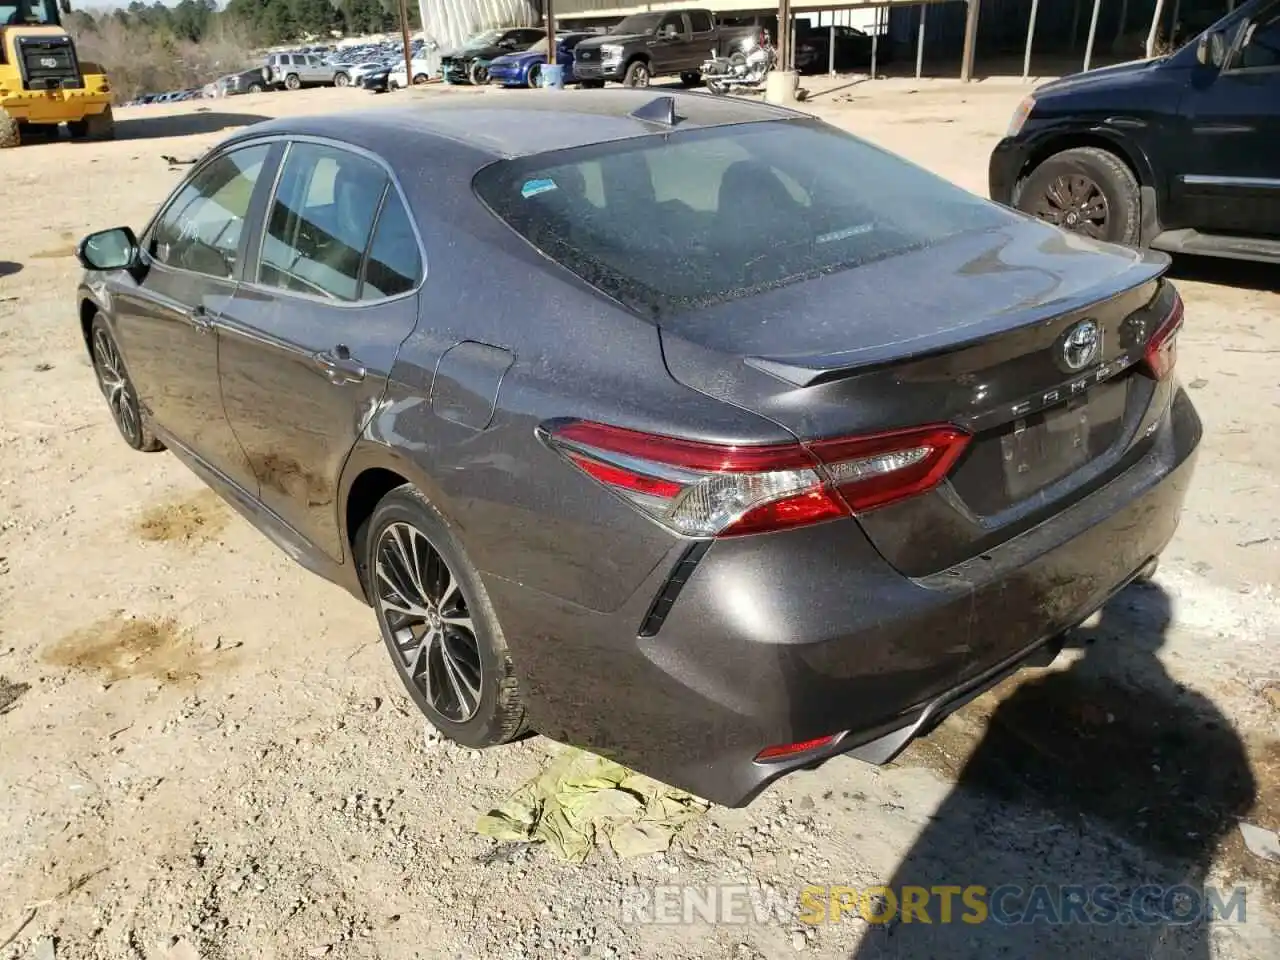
{"x":205,"y":754}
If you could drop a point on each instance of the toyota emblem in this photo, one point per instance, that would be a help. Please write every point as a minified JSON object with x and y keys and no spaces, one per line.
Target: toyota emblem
{"x":1081,"y":345}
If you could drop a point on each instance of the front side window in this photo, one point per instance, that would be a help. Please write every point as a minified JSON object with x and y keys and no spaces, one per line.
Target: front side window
{"x":675,"y":222}
{"x":320,"y":221}
{"x":1261,"y":46}
{"x":672,"y":26}
{"x":29,"y":12}
{"x":201,"y":229}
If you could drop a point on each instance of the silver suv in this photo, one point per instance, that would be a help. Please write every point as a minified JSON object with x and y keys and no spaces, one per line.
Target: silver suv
{"x":293,"y":71}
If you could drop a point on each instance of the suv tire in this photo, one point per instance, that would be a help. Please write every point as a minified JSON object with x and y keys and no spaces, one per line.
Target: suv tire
{"x":1086,"y":190}
{"x":340,"y":79}
{"x":481,"y":663}
{"x":637,"y":74}
{"x":293,"y":82}
{"x":691,"y":78}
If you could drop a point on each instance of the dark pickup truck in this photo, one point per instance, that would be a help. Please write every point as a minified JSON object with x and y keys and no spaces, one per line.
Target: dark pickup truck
{"x":1177,"y":153}
{"x":661,"y":44}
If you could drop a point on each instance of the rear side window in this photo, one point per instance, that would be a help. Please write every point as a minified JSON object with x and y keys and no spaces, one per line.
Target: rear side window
{"x":394,"y":265}
{"x":676,"y":222}
{"x":320,"y":222}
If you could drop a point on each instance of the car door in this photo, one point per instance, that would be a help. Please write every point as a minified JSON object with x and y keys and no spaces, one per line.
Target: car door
{"x":702,"y":31}
{"x":164,"y":314}
{"x":669,"y":47}
{"x":1231,"y":180}
{"x":311,"y":335}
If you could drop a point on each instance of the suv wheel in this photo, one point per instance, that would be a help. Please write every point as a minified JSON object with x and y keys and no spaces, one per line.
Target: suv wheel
{"x":637,"y":74}
{"x":534,"y":77}
{"x":256,"y":88}
{"x":292,"y":81}
{"x":1085,"y":190}
{"x":117,"y":388}
{"x":437,"y":622}
{"x":691,"y":78}
{"x":341,"y":80}
{"x":478,"y":73}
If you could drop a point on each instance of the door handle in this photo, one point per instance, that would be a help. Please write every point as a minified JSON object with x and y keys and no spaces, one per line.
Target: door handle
{"x":339,"y":366}
{"x":199,"y":318}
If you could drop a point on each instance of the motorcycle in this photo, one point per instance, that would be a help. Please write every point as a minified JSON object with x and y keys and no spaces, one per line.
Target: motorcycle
{"x":746,"y":67}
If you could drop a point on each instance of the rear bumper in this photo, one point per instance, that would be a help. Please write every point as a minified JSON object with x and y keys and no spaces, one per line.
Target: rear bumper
{"x":808,"y":633}
{"x":55,"y":106}
{"x":1008,"y":160}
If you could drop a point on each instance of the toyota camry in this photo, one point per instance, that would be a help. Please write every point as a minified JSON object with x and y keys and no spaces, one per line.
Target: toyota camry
{"x":693,"y":431}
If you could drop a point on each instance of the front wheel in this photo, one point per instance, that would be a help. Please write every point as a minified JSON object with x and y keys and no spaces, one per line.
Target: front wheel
{"x":1085,"y":190}
{"x":255,"y":88}
{"x":117,"y":388}
{"x":534,"y":77}
{"x":637,"y":75}
{"x":419,"y":79}
{"x":438,"y":624}
{"x":293,"y":82}
{"x":341,"y":80}
{"x":690,"y":78}
{"x":478,"y":74}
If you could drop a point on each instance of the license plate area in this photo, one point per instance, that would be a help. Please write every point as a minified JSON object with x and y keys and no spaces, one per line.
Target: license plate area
{"x":1009,"y":464}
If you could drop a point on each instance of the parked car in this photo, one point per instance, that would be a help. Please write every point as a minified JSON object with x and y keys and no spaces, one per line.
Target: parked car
{"x":379,"y":81}
{"x":525,"y":69}
{"x":470,"y":63}
{"x":247,"y":81}
{"x":647,"y":45}
{"x":853,"y":49}
{"x":701,"y":515}
{"x":293,"y":71}
{"x":399,"y":79}
{"x":1177,"y":153}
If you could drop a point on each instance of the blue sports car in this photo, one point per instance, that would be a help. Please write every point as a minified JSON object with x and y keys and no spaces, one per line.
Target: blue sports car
{"x":524,"y":69}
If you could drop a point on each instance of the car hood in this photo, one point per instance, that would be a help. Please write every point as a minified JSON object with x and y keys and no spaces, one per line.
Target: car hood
{"x":1101,"y":77}
{"x":610,"y":39}
{"x":516,"y":59}
{"x":967,"y":288}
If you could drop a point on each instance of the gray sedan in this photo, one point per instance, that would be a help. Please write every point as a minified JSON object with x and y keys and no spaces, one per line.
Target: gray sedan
{"x":641,"y":421}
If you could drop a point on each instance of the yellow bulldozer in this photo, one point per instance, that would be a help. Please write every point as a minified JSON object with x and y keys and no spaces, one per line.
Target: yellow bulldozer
{"x":43,"y":82}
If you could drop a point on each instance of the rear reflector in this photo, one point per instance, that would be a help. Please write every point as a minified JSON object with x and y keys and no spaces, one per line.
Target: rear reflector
{"x":784,"y":750}
{"x":1161,"y":353}
{"x":711,"y":490}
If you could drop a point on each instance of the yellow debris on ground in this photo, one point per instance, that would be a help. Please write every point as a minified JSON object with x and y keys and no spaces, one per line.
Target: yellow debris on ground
{"x":582,"y":799}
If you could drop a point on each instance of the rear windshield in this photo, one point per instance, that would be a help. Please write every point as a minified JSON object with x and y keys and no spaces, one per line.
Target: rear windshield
{"x":666,"y":224}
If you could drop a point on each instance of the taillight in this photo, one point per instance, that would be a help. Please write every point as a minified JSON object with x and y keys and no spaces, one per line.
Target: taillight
{"x":1161,"y":353}
{"x":714,"y":490}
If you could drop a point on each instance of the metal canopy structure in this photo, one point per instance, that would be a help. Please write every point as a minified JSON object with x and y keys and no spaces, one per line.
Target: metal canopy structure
{"x":998,"y":12}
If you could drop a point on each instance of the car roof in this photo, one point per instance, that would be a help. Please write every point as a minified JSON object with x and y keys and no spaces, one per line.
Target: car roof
{"x":500,"y":128}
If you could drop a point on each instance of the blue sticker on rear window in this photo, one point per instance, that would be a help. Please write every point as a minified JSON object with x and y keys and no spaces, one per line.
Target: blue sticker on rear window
{"x":532,"y":188}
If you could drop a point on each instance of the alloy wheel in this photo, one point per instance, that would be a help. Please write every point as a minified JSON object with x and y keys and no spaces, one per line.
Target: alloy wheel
{"x":1076,"y":203}
{"x":429,"y":621}
{"x":114,"y":383}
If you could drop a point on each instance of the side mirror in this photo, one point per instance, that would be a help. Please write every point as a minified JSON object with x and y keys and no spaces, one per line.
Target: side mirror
{"x":1211,"y":50}
{"x":112,"y":249}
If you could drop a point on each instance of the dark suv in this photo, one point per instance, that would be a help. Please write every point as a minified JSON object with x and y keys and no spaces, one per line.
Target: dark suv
{"x":647,"y":45}
{"x":1177,"y":153}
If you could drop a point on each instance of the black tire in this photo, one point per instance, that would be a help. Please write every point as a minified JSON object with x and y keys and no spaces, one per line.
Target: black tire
{"x":1086,"y":190}
{"x":293,"y":82}
{"x":419,"y":79}
{"x":534,"y":77}
{"x":591,"y":84}
{"x":637,"y":74}
{"x":478,"y":73}
{"x":499,"y":714}
{"x":340,"y":79}
{"x":117,"y":389}
{"x":256,"y":88}
{"x":690,"y":79}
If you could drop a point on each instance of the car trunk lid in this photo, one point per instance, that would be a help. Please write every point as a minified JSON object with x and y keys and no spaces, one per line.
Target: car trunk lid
{"x":1028,"y":338}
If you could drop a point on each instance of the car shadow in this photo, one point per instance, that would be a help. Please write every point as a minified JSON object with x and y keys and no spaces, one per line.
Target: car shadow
{"x":8,"y":268}
{"x":182,"y":125}
{"x":1246,"y":274}
{"x":1108,"y":777}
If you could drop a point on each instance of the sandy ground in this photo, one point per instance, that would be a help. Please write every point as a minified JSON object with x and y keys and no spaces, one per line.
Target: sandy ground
{"x":203,"y":752}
